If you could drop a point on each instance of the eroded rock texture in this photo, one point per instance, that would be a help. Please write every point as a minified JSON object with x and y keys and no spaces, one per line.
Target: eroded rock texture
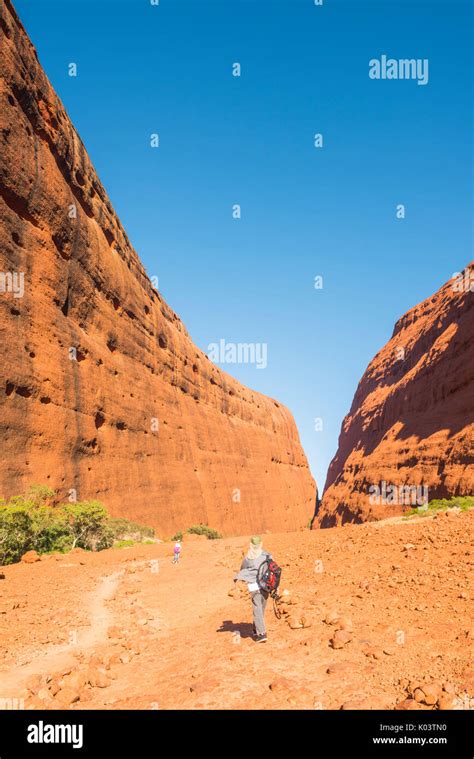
{"x":412,"y":418}
{"x":101,"y":388}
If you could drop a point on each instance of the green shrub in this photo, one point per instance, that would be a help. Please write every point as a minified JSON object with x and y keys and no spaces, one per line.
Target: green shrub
{"x":203,"y":529}
{"x":88,"y":524}
{"x":29,"y":523}
{"x":16,"y":533}
{"x":464,"y":502}
{"x":124,"y":543}
{"x":198,"y":529}
{"x":33,"y":522}
{"x":50,"y":529}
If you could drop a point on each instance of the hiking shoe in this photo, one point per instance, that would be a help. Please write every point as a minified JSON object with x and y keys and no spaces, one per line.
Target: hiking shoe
{"x":261,"y":638}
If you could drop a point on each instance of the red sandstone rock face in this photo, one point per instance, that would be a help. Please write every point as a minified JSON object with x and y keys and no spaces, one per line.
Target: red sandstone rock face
{"x":412,"y":418}
{"x":101,"y":388}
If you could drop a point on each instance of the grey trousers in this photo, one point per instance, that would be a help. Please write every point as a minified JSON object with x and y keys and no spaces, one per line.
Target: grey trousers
{"x":259,"y":601}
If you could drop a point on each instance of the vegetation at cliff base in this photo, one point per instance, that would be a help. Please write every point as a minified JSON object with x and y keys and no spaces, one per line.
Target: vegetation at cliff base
{"x":203,"y":529}
{"x":35,"y":522}
{"x":198,"y":529}
{"x":462,"y":502}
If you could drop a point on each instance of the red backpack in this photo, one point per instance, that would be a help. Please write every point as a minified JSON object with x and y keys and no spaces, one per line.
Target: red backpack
{"x":268,"y":576}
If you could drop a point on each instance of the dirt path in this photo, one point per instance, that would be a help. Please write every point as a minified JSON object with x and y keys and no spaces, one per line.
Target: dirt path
{"x":61,"y":655}
{"x":128,"y":629}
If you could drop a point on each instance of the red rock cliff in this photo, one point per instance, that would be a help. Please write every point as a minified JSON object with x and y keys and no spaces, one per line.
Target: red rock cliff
{"x":101,"y":388}
{"x":412,"y":418}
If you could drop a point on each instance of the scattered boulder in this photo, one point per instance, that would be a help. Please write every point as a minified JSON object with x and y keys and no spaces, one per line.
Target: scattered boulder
{"x":77,"y":680}
{"x":54,"y":687}
{"x":30,"y":557}
{"x":67,"y":696}
{"x":34,"y":683}
{"x":371,"y":651}
{"x":412,"y":686}
{"x":418,"y":695}
{"x":97,"y":678}
{"x":340,"y":638}
{"x":449,"y":688}
{"x":299,"y":619}
{"x":332,"y":618}
{"x":408,"y":704}
{"x":446,"y":702}
{"x":430,"y":695}
{"x":45,"y":695}
{"x":345,"y":623}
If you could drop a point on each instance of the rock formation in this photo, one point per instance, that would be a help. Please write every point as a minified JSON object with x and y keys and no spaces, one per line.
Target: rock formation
{"x":412,"y":418}
{"x":102,"y":390}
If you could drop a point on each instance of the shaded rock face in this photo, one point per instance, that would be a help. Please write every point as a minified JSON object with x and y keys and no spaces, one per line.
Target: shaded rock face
{"x":411,"y":422}
{"x":102,"y":391}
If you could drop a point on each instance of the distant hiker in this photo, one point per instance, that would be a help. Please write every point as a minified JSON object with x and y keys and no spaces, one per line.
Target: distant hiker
{"x":176,"y":551}
{"x":317,"y":506}
{"x":257,"y":571}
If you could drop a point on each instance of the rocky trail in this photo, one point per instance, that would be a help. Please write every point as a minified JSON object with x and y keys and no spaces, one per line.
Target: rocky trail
{"x":374,"y":616}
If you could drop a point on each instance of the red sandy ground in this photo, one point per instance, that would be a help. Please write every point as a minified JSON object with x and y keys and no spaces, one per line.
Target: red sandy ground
{"x":125,"y":628}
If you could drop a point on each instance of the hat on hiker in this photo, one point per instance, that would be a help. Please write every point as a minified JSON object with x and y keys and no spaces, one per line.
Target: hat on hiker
{"x":255,"y":547}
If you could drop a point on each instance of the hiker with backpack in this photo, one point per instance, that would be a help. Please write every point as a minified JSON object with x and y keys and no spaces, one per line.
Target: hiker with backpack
{"x":262,"y":576}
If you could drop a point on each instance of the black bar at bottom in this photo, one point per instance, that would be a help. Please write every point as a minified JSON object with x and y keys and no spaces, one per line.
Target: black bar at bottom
{"x":133,"y":733}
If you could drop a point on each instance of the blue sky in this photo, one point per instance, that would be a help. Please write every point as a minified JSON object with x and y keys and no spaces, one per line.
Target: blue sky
{"x":167,"y":69}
